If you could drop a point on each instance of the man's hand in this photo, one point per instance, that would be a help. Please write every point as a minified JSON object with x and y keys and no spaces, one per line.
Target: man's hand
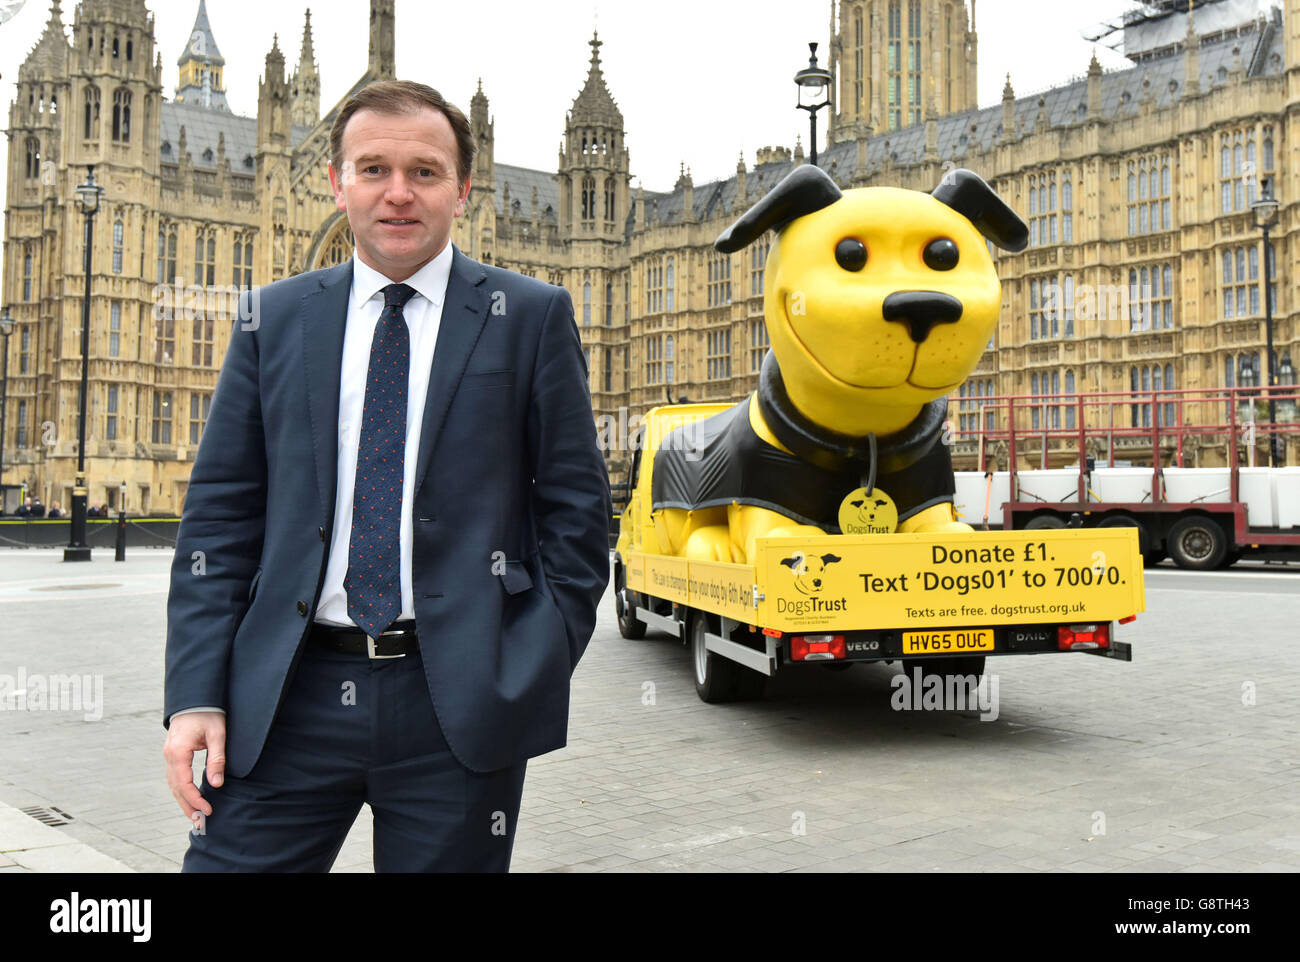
{"x":187,"y":734}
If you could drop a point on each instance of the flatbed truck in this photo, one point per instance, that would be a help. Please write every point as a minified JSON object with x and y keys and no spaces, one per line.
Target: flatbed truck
{"x":941,"y":603}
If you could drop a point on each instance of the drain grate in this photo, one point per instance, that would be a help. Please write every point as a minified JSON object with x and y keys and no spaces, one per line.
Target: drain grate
{"x":48,"y":814}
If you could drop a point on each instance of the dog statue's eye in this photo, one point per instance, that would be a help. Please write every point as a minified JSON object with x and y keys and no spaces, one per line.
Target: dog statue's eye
{"x":940,"y":255}
{"x":851,"y":254}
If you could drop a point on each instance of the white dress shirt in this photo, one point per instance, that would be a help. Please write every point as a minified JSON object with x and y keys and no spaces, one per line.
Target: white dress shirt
{"x":423,"y":314}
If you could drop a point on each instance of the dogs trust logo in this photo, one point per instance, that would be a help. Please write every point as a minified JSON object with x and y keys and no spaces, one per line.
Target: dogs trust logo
{"x":808,"y":571}
{"x":868,"y":512}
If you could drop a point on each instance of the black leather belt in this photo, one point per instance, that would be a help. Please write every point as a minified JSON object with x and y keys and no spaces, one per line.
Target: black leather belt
{"x":397,"y":642}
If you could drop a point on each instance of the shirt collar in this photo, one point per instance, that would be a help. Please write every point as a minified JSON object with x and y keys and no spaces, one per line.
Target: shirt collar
{"x":430,"y":281}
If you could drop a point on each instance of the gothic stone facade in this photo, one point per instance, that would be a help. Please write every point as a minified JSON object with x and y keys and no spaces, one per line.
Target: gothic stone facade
{"x":1145,"y":268}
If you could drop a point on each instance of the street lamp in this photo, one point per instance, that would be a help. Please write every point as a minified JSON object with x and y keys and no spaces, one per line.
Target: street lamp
{"x":1265,"y":210}
{"x":88,"y":197}
{"x":814,"y":93}
{"x":6,"y":328}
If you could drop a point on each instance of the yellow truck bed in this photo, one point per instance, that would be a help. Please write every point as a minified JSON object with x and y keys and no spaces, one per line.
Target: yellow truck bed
{"x":910,"y":581}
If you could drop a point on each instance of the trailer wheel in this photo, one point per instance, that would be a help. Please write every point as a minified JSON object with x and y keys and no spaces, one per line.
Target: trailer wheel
{"x":1043,"y":522}
{"x":629,"y":625}
{"x":1198,"y":543}
{"x":719,"y":679}
{"x":1144,"y":538}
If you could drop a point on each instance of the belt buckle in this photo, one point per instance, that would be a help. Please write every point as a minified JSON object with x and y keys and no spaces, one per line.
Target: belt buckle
{"x":370,"y":647}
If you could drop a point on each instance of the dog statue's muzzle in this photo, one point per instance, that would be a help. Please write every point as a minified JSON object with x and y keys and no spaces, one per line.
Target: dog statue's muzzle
{"x":921,"y":311}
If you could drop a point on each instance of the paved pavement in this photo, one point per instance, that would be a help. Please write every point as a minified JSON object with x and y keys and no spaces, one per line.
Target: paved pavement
{"x":1187,"y":759}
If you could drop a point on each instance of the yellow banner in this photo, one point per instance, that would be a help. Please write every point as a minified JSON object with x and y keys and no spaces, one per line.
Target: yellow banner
{"x":725,"y":589}
{"x":968,"y":579}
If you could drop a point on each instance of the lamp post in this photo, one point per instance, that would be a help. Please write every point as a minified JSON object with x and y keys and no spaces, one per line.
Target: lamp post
{"x":6,"y":328}
{"x":88,"y":197}
{"x":1265,"y":210}
{"x":814,"y":85}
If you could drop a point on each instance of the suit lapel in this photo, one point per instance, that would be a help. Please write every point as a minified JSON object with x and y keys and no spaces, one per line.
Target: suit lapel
{"x":323,"y":318}
{"x":464,"y":311}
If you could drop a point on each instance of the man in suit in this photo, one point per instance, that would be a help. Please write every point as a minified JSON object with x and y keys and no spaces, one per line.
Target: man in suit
{"x":394,"y":538}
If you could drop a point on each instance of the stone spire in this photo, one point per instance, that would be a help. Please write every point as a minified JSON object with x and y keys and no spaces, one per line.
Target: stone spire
{"x":484,"y":130}
{"x":49,"y":58}
{"x":594,"y":102}
{"x":306,"y":81}
{"x":382,"y":44}
{"x":1191,"y":55}
{"x":1008,"y":111}
{"x":202,"y":66}
{"x":1094,"y":88}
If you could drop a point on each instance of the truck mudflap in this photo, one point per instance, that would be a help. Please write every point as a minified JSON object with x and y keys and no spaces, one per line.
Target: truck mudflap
{"x":1118,"y":650}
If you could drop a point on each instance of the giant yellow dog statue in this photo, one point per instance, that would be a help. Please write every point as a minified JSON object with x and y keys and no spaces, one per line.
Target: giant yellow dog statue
{"x":879,"y":302}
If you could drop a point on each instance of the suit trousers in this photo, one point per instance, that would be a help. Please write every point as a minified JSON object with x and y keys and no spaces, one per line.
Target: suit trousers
{"x":353,"y":730}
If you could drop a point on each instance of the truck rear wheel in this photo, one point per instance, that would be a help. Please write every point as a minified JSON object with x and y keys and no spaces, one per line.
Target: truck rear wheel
{"x":1197,"y":543}
{"x":629,"y":626}
{"x":719,"y":679}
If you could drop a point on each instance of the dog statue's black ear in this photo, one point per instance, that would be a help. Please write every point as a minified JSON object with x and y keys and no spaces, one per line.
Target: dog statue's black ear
{"x":791,"y":563}
{"x":966,"y":192}
{"x":804,"y":190}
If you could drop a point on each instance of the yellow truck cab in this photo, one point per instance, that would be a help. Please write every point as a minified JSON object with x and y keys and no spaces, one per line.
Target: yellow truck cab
{"x":939,"y":602}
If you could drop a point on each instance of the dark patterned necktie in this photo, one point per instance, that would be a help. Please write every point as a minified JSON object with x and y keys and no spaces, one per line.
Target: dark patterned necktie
{"x":373,"y":582}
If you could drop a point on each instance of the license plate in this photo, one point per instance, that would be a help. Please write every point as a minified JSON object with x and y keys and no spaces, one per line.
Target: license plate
{"x":956,"y":641}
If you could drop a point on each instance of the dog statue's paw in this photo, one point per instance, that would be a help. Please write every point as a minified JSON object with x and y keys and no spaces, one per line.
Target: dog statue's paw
{"x":943,"y":527}
{"x":796,"y":531}
{"x":710,"y":543}
{"x":936,"y":519}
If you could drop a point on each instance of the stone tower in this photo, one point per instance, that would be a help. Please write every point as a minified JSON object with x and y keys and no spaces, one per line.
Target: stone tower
{"x":593,"y":163}
{"x":274,"y":163}
{"x":895,"y":62}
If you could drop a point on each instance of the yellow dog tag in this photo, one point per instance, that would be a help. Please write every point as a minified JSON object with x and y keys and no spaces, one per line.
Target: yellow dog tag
{"x":868,"y":512}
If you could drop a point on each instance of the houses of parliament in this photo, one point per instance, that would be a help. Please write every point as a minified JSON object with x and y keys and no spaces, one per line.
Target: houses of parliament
{"x":1145,"y":267}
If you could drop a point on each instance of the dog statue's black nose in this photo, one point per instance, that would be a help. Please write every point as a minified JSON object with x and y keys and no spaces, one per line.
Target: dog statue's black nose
{"x":922,"y":310}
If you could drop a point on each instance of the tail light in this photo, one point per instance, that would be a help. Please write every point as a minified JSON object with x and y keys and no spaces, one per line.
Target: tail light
{"x":816,"y":647}
{"x":1082,"y":637}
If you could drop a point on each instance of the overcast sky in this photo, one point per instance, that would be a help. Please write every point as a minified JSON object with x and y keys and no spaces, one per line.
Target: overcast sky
{"x":697,"y":80}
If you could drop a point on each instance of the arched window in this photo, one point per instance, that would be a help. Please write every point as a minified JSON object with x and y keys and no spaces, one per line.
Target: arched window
{"x":1069,"y":408}
{"x":27,"y":275}
{"x":586,"y":303}
{"x":670,"y":291}
{"x":609,"y":303}
{"x":90,"y":115}
{"x":122,"y":116}
{"x":668,"y":358}
{"x":609,"y":198}
{"x":588,"y":198}
{"x":117,"y":246}
{"x":32,"y":170}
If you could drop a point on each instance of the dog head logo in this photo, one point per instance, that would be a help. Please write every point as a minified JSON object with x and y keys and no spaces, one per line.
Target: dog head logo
{"x":867,"y":508}
{"x":878,"y":295}
{"x":808,"y":570}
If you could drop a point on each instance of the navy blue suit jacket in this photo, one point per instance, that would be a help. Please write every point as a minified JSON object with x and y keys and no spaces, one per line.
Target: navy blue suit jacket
{"x":511,"y":512}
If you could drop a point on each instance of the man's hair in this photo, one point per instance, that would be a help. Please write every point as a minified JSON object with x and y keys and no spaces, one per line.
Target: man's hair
{"x":405,"y":97}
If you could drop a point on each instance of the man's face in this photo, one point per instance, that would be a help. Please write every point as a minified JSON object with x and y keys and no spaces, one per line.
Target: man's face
{"x":399,"y":188}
